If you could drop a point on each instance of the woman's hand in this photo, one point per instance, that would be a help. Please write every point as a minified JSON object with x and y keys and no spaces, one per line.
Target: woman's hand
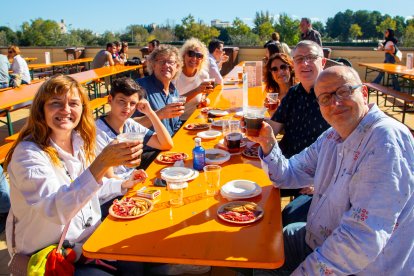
{"x":137,"y":176}
{"x":205,"y":87}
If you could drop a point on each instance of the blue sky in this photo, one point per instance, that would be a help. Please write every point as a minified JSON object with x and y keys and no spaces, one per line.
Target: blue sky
{"x":116,"y":15}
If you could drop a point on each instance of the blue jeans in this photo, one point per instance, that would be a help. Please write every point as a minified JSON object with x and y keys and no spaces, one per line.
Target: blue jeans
{"x":297,"y":210}
{"x":388,"y":59}
{"x":296,"y":250}
{"x":4,"y":84}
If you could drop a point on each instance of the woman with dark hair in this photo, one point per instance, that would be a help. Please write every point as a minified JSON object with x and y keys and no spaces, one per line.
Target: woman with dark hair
{"x":279,"y":75}
{"x":271,"y":48}
{"x":389,"y":47}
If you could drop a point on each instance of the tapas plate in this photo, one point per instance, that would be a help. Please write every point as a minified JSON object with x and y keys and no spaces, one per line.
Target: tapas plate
{"x":196,"y":126}
{"x":130,"y":207}
{"x":238,"y":114}
{"x":252,"y":151}
{"x":209,"y":134}
{"x":217,"y":124}
{"x":240,"y":212}
{"x":216,"y":156}
{"x":171,"y":157}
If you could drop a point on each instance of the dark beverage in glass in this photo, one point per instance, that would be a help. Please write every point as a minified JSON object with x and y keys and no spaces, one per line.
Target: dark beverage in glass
{"x":233,"y":141}
{"x":271,"y":106}
{"x":253,"y":125}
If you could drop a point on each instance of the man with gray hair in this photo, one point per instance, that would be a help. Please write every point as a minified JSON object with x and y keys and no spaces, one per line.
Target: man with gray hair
{"x":362,"y":212}
{"x":307,"y":33}
{"x":164,"y":65}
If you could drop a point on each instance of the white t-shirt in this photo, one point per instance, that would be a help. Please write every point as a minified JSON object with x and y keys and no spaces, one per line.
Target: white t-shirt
{"x":105,"y":134}
{"x":19,"y":66}
{"x":185,"y":84}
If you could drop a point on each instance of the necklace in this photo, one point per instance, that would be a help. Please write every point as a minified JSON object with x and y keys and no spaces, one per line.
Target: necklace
{"x":88,"y":222}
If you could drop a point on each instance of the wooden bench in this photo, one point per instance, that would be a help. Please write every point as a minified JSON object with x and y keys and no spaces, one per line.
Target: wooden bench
{"x":388,"y":91}
{"x":98,"y":105}
{"x":4,"y":149}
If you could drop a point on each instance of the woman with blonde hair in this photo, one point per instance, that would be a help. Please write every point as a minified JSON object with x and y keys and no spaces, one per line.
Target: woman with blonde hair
{"x":55,"y":177}
{"x":19,"y":65}
{"x":191,"y":82}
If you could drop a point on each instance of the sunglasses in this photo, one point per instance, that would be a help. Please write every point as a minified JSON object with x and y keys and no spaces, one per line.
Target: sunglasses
{"x":192,"y":54}
{"x":282,"y":67}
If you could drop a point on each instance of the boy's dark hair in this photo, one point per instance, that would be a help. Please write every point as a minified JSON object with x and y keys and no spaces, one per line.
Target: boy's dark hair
{"x":109,"y":45}
{"x":127,"y":87}
{"x":214,"y":44}
{"x":117,"y":43}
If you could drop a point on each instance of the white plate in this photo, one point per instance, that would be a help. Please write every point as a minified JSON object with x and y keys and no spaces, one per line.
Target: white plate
{"x":238,"y":114}
{"x":240,"y":188}
{"x":230,"y":82}
{"x":209,"y":134}
{"x":218,"y":123}
{"x":218,"y":112}
{"x":149,"y":202}
{"x":258,"y":214}
{"x":179,"y":173}
{"x":216,"y":156}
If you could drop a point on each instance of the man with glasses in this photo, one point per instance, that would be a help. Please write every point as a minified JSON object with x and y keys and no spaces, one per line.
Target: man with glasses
{"x":164,"y":65}
{"x":361,"y":218}
{"x":300,"y":118}
{"x":216,"y":59}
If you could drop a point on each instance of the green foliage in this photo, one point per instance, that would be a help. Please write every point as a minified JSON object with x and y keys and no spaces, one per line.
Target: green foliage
{"x":41,"y":33}
{"x":8,"y":36}
{"x":190,"y":28}
{"x":409,"y":36}
{"x":387,"y":23}
{"x":288,"y":29}
{"x":262,"y":18}
{"x":355,"y":31}
{"x":241,"y":34}
{"x":318,"y":25}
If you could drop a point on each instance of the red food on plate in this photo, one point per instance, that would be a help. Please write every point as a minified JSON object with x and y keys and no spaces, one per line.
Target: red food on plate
{"x":196,"y":126}
{"x":130,"y":207}
{"x":172,"y":157}
{"x":139,"y":175}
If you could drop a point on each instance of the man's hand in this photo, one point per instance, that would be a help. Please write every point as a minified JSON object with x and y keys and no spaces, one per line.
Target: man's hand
{"x":171,"y":111}
{"x":307,"y":190}
{"x":266,"y":138}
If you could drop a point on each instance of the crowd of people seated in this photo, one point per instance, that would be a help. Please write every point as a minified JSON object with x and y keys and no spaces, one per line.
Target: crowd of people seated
{"x":338,"y":156}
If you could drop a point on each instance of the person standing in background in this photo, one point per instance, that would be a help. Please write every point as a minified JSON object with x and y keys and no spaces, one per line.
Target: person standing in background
{"x":388,"y":46}
{"x":307,"y":33}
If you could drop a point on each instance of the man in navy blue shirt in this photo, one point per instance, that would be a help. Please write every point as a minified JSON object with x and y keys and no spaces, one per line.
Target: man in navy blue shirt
{"x":164,"y":65}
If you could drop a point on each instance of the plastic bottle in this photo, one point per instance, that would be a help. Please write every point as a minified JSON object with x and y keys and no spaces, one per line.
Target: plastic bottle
{"x":199,"y":155}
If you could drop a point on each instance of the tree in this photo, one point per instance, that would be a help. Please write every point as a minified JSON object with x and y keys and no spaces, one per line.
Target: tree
{"x":261,"y":18}
{"x":107,"y":37}
{"x":387,"y":23}
{"x":9,"y":37}
{"x":265,"y":31}
{"x":3,"y":39}
{"x":409,"y":36}
{"x":162,"y":34}
{"x":241,"y":34}
{"x":318,"y":25}
{"x":288,"y":29}
{"x":41,"y":33}
{"x":338,"y":26}
{"x":355,"y":31}
{"x":190,"y":28}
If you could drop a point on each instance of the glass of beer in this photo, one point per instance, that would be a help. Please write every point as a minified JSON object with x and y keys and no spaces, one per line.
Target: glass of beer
{"x":232,"y":135}
{"x":271,"y":100}
{"x":253,"y":118}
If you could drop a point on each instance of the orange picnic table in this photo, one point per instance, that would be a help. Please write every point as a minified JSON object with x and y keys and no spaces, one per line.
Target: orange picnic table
{"x":64,"y":64}
{"x":193,"y":233}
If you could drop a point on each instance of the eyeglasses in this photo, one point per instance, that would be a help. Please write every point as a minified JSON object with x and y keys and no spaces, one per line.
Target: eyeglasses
{"x":282,"y":67}
{"x":342,"y":93}
{"x":168,"y":62}
{"x":197,"y":55}
{"x":308,"y":58}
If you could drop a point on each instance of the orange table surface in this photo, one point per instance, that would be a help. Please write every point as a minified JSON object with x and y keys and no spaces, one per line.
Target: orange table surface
{"x":193,"y":233}
{"x":36,"y":66}
{"x":85,"y":76}
{"x":389,"y":68}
